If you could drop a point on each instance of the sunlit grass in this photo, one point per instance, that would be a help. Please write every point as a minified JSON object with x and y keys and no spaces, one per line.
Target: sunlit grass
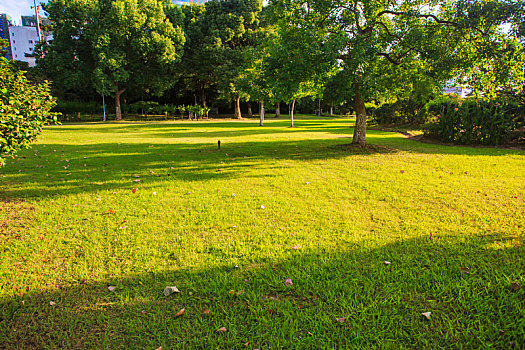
{"x":449,"y":219}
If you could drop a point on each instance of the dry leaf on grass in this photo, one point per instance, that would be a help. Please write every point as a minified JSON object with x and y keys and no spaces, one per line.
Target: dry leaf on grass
{"x":426,"y":315}
{"x":112,"y":288}
{"x":465,"y":270}
{"x":170,"y":290}
{"x":207,"y":312}
{"x":288,"y":282}
{"x":341,"y":319}
{"x":387,"y":262}
{"x":221,"y":330}
{"x":180,"y":313}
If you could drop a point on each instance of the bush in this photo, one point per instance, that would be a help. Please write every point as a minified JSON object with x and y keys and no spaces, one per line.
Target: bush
{"x":73,"y":108}
{"x":24,"y":109}
{"x":472,"y":121}
{"x":399,"y":112}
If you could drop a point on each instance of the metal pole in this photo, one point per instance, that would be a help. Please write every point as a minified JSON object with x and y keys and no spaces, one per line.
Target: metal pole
{"x":38,"y":22}
{"x":104,"y":106}
{"x":319,"y":107}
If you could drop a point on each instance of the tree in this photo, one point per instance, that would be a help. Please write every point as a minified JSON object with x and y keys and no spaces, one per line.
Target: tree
{"x":68,"y":60}
{"x":220,"y":34}
{"x":134,"y":46}
{"x":362,"y":37}
{"x":26,"y":108}
{"x":292,"y":66}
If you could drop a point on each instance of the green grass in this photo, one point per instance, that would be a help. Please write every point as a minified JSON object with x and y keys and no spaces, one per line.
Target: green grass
{"x":449,"y":219}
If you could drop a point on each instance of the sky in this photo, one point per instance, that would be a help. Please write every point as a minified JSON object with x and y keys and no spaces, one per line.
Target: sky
{"x":18,"y":8}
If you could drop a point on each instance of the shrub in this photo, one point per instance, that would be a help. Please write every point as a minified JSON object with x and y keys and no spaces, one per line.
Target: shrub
{"x":69,"y":108}
{"x":399,"y":112}
{"x":472,"y":121}
{"x":24,"y":109}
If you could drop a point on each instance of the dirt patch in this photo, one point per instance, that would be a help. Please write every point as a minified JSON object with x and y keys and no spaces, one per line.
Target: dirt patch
{"x":14,"y":217}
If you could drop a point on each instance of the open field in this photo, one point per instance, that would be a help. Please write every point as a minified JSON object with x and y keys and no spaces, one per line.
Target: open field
{"x":451,"y":220}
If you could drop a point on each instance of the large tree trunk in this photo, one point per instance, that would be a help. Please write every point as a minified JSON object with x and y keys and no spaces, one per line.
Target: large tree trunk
{"x":291,"y":112}
{"x":118,"y":111}
{"x":277,"y":109}
{"x":250,"y":113}
{"x":360,"y":118}
{"x":261,"y":114}
{"x":238,"y":114}
{"x":203,"y":96}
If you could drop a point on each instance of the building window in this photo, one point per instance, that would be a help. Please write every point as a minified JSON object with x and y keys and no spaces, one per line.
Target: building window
{"x":14,"y":41}
{"x":30,"y":41}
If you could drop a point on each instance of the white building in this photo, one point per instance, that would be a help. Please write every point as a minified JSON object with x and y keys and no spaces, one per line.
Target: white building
{"x":23,"y":40}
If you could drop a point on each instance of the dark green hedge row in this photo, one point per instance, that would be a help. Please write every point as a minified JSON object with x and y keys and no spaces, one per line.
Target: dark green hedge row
{"x":473,"y":121}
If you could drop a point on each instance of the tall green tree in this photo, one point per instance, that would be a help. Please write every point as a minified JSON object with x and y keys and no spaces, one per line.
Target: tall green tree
{"x":220,"y":36}
{"x":135,"y":45}
{"x":363,"y":36}
{"x":68,"y":60}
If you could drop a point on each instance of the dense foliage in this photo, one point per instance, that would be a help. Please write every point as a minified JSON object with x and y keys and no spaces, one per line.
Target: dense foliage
{"x":472,"y":121}
{"x":24,"y":109}
{"x":346,"y":53}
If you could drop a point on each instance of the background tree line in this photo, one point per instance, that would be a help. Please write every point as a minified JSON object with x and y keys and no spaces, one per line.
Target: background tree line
{"x":357,"y":54}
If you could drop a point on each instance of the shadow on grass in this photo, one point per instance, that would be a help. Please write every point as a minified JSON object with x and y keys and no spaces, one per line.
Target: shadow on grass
{"x":465,"y":283}
{"x":64,"y":169}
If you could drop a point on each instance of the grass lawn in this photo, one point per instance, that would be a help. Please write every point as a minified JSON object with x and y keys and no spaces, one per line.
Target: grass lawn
{"x":229,"y":227}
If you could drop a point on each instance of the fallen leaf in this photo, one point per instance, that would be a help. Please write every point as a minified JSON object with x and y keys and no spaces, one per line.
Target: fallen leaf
{"x":134,"y":190}
{"x":52,"y":303}
{"x":288,"y":282}
{"x":246,"y":344}
{"x":170,"y":290}
{"x":207,"y":312}
{"x":159,"y":348}
{"x":240,"y":292}
{"x":515,"y":286}
{"x":180,"y":313}
{"x":300,"y":307}
{"x":296,"y":247}
{"x":233,"y":194}
{"x":154,"y":193}
{"x":341,"y":319}
{"x":111,"y":211}
{"x":263,"y":207}
{"x":387,"y":262}
{"x":402,"y":171}
{"x":430,"y":235}
{"x":465,"y":270}
{"x":236,"y":266}
{"x":307,"y":183}
{"x":426,"y":314}
{"x":232,"y":292}
{"x":137,"y":180}
{"x":221,"y":330}
{"x":112,"y":288}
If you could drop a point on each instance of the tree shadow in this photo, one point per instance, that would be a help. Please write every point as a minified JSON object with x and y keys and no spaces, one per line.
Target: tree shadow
{"x":465,"y":283}
{"x":55,"y":169}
